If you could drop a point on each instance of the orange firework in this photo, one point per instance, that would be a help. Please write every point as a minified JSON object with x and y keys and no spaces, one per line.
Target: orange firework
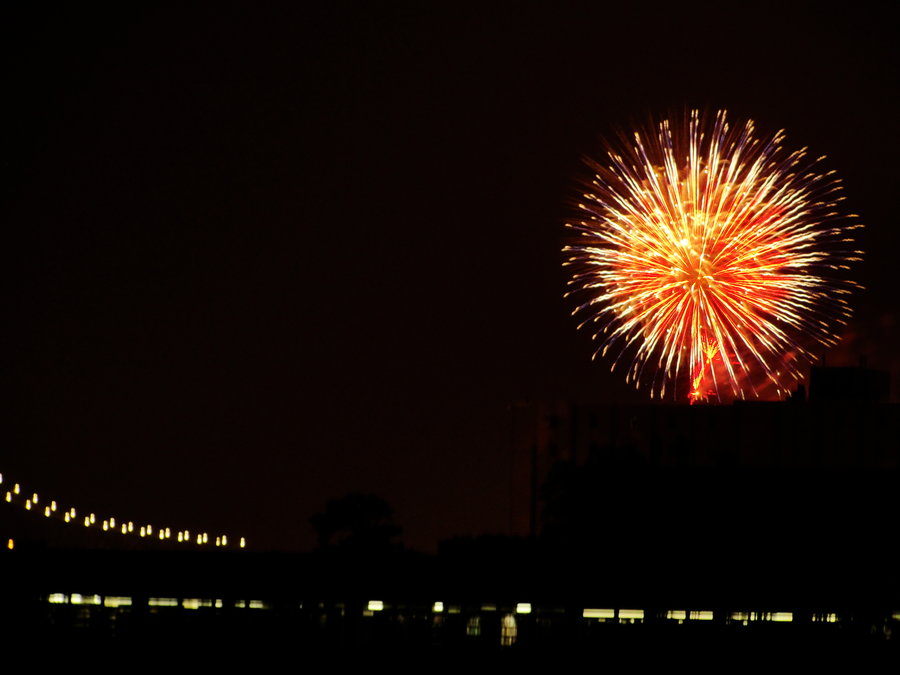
{"x":712,"y":260}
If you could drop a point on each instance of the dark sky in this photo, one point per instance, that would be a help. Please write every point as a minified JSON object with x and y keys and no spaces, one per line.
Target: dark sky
{"x":259,"y":258}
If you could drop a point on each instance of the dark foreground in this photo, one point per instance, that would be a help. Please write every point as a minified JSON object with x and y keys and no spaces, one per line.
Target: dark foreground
{"x":218,"y":606}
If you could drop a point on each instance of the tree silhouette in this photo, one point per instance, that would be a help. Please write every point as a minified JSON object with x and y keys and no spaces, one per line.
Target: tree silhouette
{"x":360,"y":521}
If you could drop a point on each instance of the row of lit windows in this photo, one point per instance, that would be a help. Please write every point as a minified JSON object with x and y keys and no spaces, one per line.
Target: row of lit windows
{"x":373,"y":606}
{"x":33,"y":502}
{"x":635,"y":615}
{"x":125,"y":601}
{"x":681,"y":615}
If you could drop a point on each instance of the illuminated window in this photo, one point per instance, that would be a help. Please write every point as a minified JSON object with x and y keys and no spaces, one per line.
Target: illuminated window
{"x":740,"y":617}
{"x":599,"y":613}
{"x":508,"y":630}
{"x":473,"y":626}
{"x":832,"y":618}
{"x":631,"y":615}
{"x":77,"y":599}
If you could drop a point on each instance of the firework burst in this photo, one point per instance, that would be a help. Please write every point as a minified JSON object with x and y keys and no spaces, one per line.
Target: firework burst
{"x":710,"y":261}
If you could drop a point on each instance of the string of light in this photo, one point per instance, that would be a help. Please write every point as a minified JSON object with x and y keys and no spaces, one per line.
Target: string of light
{"x":16,"y":495}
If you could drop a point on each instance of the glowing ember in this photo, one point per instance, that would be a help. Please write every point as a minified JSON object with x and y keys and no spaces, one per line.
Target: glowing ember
{"x":712,"y":259}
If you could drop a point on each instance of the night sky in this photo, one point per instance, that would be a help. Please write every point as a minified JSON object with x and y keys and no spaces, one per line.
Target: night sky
{"x":259,"y":258}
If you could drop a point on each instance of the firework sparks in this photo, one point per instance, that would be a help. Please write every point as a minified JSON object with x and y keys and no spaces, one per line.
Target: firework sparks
{"x":712,"y":260}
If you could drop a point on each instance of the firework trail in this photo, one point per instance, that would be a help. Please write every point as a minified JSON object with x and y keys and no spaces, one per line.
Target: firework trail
{"x":711,"y":261}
